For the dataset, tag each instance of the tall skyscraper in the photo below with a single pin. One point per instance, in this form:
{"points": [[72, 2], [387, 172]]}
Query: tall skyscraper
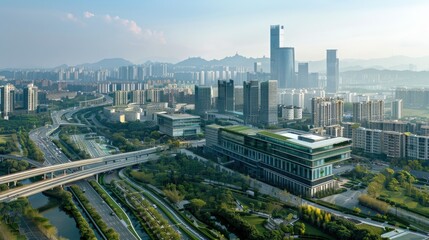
{"points": [[303, 76], [332, 71], [251, 102], [282, 59], [268, 111], [30, 98], [225, 97], [203, 99], [326, 111], [397, 109], [7, 99]]}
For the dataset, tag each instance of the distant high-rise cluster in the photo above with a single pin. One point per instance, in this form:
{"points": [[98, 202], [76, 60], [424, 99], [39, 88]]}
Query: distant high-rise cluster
{"points": [[20, 100]]}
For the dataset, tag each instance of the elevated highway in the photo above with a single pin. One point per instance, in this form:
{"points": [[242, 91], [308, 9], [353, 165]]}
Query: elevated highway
{"points": [[33, 188], [76, 164]]}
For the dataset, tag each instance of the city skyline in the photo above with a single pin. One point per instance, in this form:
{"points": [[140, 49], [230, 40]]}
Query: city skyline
{"points": [[66, 33]]}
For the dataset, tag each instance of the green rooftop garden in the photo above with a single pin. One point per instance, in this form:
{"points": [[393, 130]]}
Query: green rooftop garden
{"points": [[273, 135]]}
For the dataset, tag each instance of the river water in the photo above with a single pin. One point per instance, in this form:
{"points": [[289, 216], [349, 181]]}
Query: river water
{"points": [[64, 223]]}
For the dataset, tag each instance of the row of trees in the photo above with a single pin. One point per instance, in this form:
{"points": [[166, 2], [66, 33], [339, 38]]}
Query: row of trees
{"points": [[29, 148], [108, 232], [68, 205], [338, 227], [373, 203], [146, 213]]}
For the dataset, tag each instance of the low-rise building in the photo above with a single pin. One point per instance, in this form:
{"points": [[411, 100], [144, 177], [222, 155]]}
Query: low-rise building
{"points": [[179, 125]]}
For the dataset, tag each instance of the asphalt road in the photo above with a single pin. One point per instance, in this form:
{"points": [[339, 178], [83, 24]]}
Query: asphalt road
{"points": [[30, 230], [105, 211]]}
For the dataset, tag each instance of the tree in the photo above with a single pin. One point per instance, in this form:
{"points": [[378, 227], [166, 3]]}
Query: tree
{"points": [[196, 204], [299, 228], [356, 210]]}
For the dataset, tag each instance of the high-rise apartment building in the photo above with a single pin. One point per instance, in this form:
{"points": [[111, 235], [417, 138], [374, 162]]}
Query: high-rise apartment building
{"points": [[268, 110], [326, 111], [121, 98], [7, 99], [138, 96], [332, 71], [368, 111], [225, 98], [30, 98], [397, 107], [203, 99], [251, 102], [282, 59]]}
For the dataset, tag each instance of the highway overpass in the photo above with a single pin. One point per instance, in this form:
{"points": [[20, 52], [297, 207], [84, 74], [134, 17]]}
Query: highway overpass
{"points": [[46, 184], [76, 164]]}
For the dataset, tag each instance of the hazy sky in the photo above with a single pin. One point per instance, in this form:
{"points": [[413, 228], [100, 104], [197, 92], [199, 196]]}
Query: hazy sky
{"points": [[48, 33]]}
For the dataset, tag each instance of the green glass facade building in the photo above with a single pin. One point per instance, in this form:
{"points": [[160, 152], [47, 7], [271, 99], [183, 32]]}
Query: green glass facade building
{"points": [[297, 161]]}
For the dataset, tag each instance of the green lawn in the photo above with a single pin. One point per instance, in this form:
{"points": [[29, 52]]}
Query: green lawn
{"points": [[371, 229], [311, 230], [256, 221], [400, 197]]}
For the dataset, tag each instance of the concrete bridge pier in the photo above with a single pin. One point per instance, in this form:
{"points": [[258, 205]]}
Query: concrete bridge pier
{"points": [[65, 172], [96, 177]]}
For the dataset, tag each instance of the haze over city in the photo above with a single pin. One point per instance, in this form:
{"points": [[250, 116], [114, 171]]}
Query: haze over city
{"points": [[41, 33], [214, 120]]}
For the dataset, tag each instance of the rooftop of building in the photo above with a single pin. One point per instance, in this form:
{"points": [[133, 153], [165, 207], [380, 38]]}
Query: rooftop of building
{"points": [[179, 116], [301, 138]]}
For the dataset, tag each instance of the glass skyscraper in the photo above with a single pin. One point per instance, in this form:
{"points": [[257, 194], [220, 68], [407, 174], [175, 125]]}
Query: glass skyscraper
{"points": [[332, 71]]}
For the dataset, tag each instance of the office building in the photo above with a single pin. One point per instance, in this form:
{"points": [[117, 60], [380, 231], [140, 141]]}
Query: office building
{"points": [[7, 99], [282, 59], [239, 101], [286, 158], [332, 71], [368, 111], [326, 111], [303, 76], [397, 107], [203, 99], [225, 97], [121, 98], [30, 98], [251, 102], [268, 110], [179, 125]]}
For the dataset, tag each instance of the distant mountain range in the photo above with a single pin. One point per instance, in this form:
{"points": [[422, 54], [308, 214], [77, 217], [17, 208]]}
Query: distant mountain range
{"points": [[400, 63], [107, 63]]}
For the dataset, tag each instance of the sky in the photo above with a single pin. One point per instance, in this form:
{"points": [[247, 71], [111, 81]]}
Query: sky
{"points": [[50, 33]]}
